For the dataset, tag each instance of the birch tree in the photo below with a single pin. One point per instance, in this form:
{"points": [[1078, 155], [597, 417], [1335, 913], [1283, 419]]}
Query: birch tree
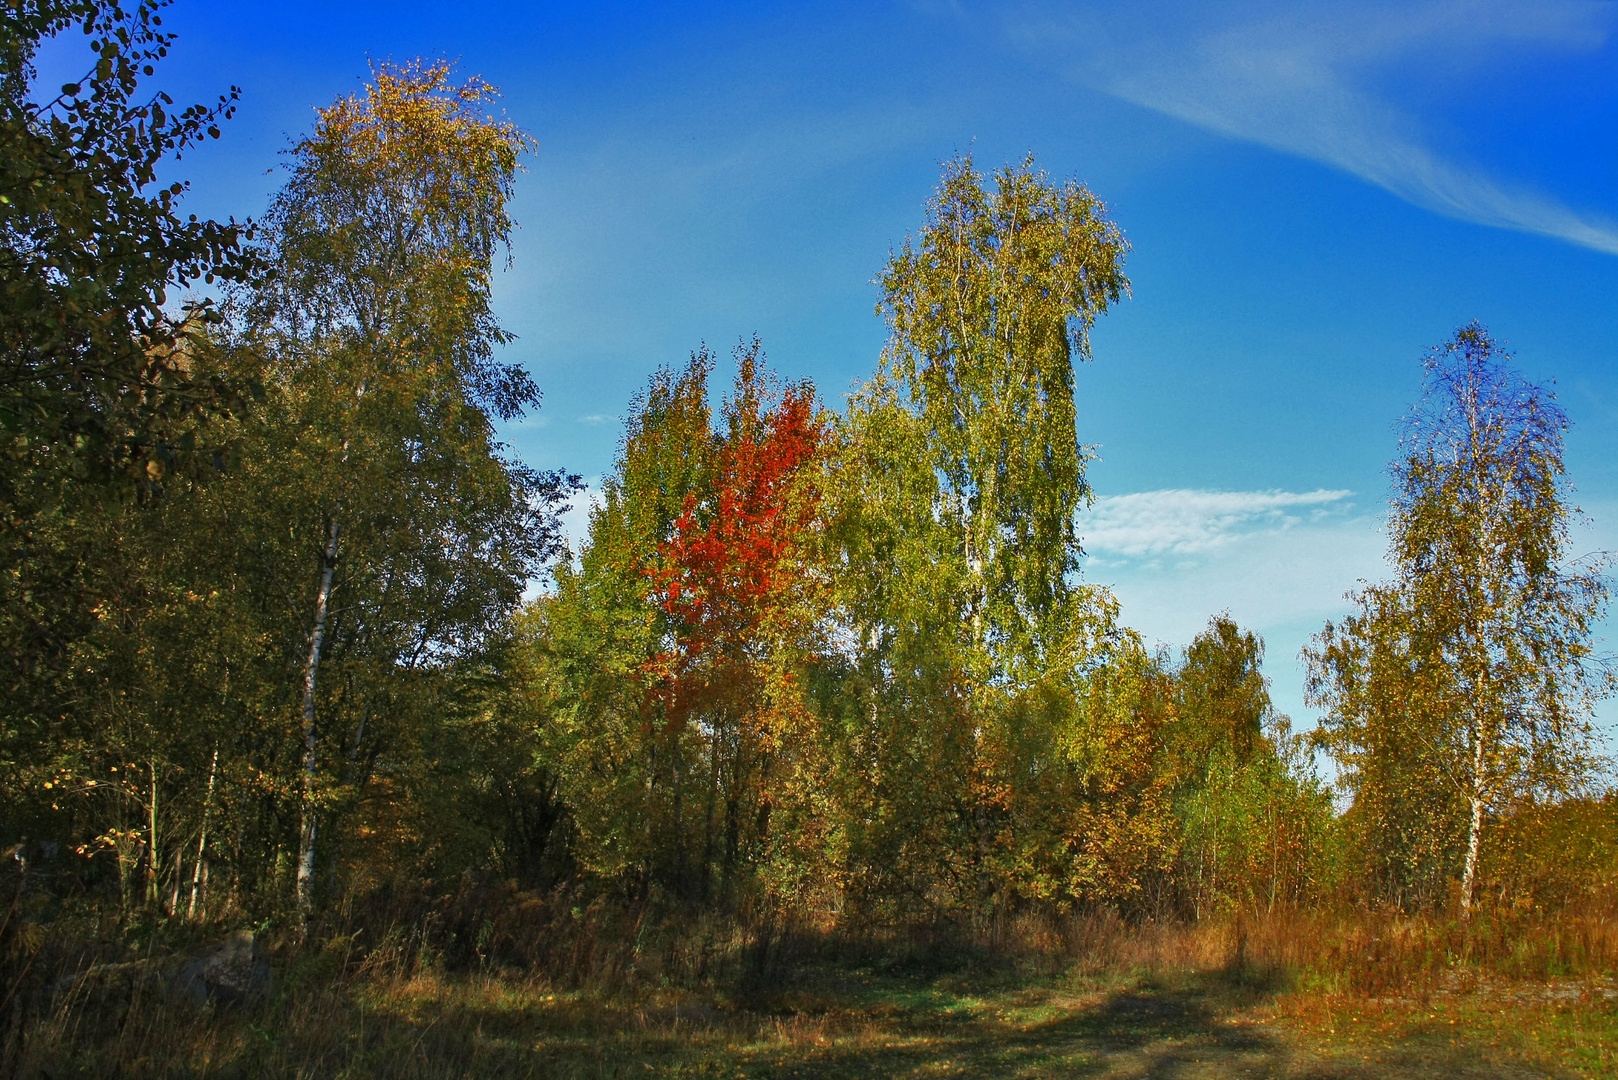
{"points": [[953, 504], [989, 310], [1481, 650], [379, 338]]}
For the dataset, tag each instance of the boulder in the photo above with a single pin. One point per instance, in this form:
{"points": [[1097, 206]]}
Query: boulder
{"points": [[231, 974]]}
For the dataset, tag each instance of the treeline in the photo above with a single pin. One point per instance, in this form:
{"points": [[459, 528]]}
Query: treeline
{"points": [[266, 653], [261, 550]]}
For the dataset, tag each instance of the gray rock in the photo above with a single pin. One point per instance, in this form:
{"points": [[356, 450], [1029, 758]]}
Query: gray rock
{"points": [[232, 974]]}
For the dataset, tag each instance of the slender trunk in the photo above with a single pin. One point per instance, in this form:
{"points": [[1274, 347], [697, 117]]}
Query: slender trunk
{"points": [[733, 821], [202, 838], [311, 825], [1275, 850], [974, 569], [646, 866], [174, 890], [128, 856], [152, 853], [1482, 698], [714, 753], [1475, 831], [354, 751]]}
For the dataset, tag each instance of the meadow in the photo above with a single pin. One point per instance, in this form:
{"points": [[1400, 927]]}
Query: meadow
{"points": [[1278, 996]]}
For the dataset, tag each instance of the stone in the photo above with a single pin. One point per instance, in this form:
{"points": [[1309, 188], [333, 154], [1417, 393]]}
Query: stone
{"points": [[233, 974]]}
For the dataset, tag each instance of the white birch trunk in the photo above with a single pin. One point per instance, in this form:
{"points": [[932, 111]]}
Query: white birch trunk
{"points": [[202, 838], [1474, 832], [306, 853]]}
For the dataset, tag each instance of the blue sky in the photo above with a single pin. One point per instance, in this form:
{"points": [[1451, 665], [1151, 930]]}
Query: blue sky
{"points": [[1314, 193]]}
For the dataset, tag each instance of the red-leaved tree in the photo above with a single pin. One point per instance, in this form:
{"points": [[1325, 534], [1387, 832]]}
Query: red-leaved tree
{"points": [[738, 580]]}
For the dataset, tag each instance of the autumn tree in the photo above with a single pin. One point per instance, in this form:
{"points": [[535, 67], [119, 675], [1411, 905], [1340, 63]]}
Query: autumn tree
{"points": [[625, 777], [958, 476], [679, 642], [1224, 698], [1470, 679], [1254, 817], [100, 406], [989, 309], [351, 564], [379, 340], [738, 577]]}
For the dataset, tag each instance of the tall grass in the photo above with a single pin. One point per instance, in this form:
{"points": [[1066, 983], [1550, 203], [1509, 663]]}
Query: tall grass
{"points": [[492, 981]]}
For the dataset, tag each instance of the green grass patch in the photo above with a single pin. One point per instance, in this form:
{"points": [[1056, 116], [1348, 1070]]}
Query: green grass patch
{"points": [[831, 1020]]}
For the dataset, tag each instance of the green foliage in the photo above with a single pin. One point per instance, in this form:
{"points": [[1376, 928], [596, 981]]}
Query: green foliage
{"points": [[625, 776], [1385, 683], [996, 727], [1257, 823], [1555, 856], [378, 340], [179, 768], [989, 309], [1466, 684], [680, 644], [90, 245], [1224, 699], [806, 670], [101, 400]]}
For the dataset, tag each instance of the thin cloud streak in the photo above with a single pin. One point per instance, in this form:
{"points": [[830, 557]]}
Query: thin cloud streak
{"points": [[1267, 579], [1279, 562], [1302, 83], [1180, 522]]}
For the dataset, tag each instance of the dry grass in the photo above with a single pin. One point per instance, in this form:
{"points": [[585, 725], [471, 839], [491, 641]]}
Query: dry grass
{"points": [[1283, 996]]}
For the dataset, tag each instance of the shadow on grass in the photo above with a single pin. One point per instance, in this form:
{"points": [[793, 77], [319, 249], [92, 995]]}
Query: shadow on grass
{"points": [[1151, 1029], [1183, 1027], [828, 1023]]}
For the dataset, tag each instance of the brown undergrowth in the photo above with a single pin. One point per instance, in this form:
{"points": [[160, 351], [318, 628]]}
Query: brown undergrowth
{"points": [[548, 986]]}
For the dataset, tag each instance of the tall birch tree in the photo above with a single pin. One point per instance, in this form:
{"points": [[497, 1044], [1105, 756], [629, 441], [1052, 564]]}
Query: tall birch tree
{"points": [[989, 309], [380, 341], [1481, 650], [959, 474]]}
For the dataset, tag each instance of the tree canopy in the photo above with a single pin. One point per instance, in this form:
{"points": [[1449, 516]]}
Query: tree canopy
{"points": [[1467, 683], [289, 631]]}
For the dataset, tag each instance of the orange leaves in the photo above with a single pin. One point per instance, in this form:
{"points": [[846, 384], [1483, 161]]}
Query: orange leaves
{"points": [[734, 576], [411, 112], [735, 599]]}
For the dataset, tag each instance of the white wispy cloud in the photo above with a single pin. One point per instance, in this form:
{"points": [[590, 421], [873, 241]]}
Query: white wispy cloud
{"points": [[1279, 562], [1184, 522], [575, 523], [576, 518], [1307, 79], [1282, 582]]}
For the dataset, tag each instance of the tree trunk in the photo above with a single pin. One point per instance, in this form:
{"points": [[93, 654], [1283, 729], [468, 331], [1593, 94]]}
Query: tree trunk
{"points": [[306, 853], [708, 816], [202, 838], [152, 855], [1474, 833], [174, 889]]}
